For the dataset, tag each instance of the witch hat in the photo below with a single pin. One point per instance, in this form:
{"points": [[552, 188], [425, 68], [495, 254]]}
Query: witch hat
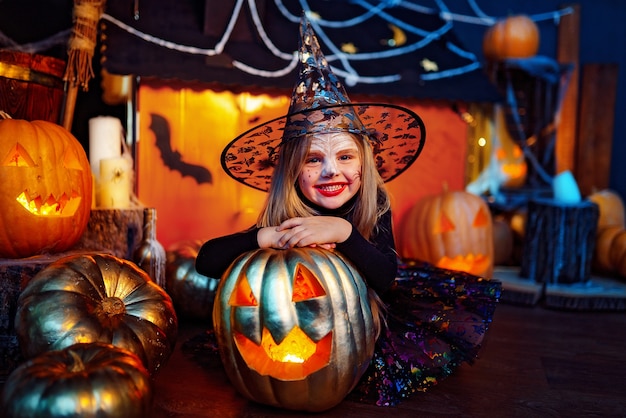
{"points": [[320, 104]]}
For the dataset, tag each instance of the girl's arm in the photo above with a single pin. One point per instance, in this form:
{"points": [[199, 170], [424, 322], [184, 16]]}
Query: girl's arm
{"points": [[377, 260], [216, 255]]}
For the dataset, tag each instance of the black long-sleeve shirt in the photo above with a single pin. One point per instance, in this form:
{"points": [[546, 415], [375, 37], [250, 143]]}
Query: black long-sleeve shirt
{"points": [[375, 260]]}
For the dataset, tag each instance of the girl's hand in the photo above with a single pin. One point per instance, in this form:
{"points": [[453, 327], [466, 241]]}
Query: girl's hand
{"points": [[312, 231]]}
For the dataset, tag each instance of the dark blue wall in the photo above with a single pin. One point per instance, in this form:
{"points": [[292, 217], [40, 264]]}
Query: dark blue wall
{"points": [[602, 40]]}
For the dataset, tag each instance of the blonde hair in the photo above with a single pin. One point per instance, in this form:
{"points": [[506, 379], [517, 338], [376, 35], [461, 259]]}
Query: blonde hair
{"points": [[283, 201]]}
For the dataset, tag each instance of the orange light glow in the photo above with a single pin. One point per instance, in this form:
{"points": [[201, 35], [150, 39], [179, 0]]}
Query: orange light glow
{"points": [[242, 295], [296, 357], [470, 263], [64, 206], [306, 286]]}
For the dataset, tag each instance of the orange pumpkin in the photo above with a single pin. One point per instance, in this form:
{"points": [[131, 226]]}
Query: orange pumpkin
{"points": [[611, 208], [512, 37], [602, 252], [618, 253], [452, 230], [45, 201]]}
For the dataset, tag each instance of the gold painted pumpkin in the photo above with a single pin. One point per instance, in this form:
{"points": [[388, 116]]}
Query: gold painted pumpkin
{"points": [[611, 208], [96, 298], [45, 201], [452, 230], [294, 327], [193, 293], [512, 37], [84, 380]]}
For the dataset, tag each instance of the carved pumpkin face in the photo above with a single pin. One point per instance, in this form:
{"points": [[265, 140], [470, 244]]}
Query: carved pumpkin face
{"points": [[291, 320], [46, 188], [452, 230]]}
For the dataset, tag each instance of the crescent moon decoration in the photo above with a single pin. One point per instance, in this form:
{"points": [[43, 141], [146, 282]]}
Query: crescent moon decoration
{"points": [[398, 38]]}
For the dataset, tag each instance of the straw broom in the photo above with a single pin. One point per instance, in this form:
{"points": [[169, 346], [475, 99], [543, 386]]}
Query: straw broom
{"points": [[81, 46]]}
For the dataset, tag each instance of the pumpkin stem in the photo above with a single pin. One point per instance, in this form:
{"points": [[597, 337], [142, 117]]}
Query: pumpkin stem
{"points": [[4, 115], [113, 306], [77, 364]]}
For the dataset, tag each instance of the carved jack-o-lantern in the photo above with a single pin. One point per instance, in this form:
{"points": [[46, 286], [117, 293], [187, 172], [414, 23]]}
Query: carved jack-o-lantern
{"points": [[294, 327], [45, 201], [452, 230]]}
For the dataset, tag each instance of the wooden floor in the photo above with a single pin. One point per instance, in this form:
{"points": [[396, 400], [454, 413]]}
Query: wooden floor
{"points": [[536, 362]]}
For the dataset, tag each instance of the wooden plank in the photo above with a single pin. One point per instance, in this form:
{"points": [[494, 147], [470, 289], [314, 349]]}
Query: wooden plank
{"points": [[526, 368], [595, 128], [568, 53]]}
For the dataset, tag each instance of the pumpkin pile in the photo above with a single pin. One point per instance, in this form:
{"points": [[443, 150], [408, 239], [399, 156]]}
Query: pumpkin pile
{"points": [[86, 309], [610, 251], [512, 37], [46, 188]]}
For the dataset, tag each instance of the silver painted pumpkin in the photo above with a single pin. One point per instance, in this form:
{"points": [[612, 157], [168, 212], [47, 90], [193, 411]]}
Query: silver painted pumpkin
{"points": [[294, 327]]}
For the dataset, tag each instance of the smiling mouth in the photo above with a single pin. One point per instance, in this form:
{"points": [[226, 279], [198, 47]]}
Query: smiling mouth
{"points": [[331, 189], [63, 206]]}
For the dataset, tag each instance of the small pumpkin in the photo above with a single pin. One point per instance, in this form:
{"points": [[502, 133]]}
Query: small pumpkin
{"points": [[45, 201], [96, 298], [452, 230], [84, 380], [618, 253], [611, 208], [294, 327], [602, 259], [192, 293], [512, 37]]}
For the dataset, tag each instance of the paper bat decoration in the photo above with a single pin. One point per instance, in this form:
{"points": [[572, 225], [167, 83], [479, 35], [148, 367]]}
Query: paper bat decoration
{"points": [[173, 159]]}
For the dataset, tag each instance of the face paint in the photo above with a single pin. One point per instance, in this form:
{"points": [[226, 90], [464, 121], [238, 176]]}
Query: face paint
{"points": [[331, 174]]}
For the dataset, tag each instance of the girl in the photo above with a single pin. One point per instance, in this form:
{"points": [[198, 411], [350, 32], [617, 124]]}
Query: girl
{"points": [[327, 160], [327, 193]]}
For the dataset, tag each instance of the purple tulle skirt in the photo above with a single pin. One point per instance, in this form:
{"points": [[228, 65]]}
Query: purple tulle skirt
{"points": [[436, 320]]}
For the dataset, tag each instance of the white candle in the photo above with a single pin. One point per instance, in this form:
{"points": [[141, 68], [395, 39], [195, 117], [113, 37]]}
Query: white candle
{"points": [[105, 141], [115, 183]]}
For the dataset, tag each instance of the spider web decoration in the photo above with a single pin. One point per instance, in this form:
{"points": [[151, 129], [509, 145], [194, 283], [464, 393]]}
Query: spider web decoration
{"points": [[391, 48]]}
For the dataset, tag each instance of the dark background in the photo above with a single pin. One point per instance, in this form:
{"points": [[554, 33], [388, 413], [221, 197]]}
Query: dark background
{"points": [[602, 40]]}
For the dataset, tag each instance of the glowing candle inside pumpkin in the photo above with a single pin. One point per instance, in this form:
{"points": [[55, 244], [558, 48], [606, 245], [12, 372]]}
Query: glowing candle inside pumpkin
{"points": [[115, 183]]}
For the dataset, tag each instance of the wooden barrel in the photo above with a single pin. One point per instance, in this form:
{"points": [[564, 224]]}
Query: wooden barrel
{"points": [[31, 86]]}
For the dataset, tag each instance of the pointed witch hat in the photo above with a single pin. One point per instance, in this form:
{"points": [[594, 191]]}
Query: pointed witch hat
{"points": [[320, 104]]}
